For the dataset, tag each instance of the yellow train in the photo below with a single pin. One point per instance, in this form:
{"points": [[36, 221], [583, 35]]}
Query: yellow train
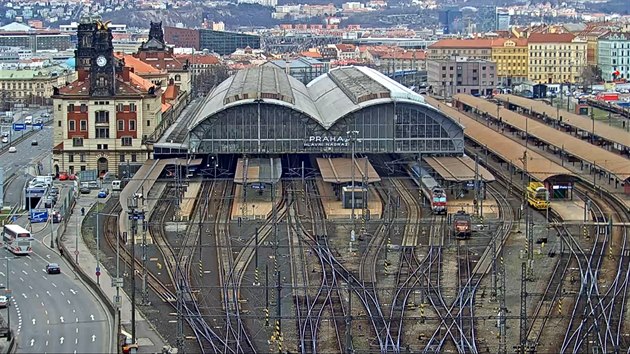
{"points": [[537, 195]]}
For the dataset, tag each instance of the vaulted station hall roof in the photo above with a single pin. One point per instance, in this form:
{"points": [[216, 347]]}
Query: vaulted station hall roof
{"points": [[326, 99]]}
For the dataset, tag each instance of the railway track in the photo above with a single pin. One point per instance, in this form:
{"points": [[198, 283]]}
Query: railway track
{"points": [[311, 310]]}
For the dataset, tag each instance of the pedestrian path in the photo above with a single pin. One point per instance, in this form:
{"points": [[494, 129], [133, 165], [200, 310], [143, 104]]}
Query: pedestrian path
{"points": [[148, 338]]}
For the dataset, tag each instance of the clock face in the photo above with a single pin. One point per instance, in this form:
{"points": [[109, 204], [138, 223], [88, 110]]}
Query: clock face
{"points": [[101, 61]]}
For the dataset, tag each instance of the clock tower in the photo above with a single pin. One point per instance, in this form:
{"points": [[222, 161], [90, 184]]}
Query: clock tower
{"points": [[102, 63]]}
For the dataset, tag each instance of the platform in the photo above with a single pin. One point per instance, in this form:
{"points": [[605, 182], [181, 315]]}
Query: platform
{"points": [[258, 170], [257, 207], [489, 208], [333, 208], [569, 210], [188, 203], [339, 170], [458, 168]]}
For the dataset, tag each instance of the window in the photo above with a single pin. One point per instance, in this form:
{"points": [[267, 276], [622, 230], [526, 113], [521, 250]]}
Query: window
{"points": [[82, 157], [77, 141], [119, 107], [148, 123], [133, 158], [102, 117], [70, 158], [105, 147], [132, 107], [125, 141], [132, 125], [83, 107], [70, 107], [121, 125], [72, 125], [83, 125], [59, 123], [102, 133], [122, 157]]}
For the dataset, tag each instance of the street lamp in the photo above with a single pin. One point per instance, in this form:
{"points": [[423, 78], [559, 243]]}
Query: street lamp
{"points": [[352, 138]]}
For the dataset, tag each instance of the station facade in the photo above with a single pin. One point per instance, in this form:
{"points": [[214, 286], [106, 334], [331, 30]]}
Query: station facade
{"points": [[265, 111]]}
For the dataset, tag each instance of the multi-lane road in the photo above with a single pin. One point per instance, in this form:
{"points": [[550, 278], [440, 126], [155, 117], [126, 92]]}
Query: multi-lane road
{"points": [[49, 313]]}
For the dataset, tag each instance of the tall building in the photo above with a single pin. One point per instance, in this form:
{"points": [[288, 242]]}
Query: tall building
{"points": [[447, 77], [502, 19], [556, 57], [103, 118], [613, 55], [20, 35], [476, 48], [511, 57], [33, 85], [448, 18], [182, 37], [224, 43]]}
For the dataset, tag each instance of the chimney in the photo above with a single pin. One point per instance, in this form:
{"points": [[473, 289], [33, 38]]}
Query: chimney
{"points": [[82, 75], [125, 73]]}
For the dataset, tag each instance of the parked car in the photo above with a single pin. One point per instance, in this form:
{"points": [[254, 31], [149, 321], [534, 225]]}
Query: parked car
{"points": [[103, 193], [63, 176], [39, 121], [4, 301], [84, 190], [53, 268], [54, 191], [12, 149], [34, 143], [5, 139]]}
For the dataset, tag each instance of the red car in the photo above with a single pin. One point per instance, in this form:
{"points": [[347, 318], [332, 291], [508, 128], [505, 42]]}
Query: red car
{"points": [[72, 177], [63, 176]]}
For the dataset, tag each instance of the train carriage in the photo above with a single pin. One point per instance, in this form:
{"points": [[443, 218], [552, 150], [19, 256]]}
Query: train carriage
{"points": [[537, 195], [431, 190]]}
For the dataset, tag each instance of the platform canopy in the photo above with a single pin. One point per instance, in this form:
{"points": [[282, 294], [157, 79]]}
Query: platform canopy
{"points": [[339, 170], [258, 170], [458, 169]]}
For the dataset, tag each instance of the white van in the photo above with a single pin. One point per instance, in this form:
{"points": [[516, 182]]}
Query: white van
{"points": [[117, 185], [28, 120]]}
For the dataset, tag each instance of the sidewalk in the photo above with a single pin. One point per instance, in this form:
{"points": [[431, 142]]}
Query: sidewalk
{"points": [[148, 339]]}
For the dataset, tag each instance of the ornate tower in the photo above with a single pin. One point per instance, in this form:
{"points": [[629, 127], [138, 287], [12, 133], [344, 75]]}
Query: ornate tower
{"points": [[84, 52], [155, 32], [103, 66]]}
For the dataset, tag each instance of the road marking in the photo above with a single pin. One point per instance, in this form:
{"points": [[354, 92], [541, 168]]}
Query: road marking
{"points": [[26, 297], [76, 340], [43, 276], [68, 302], [47, 333], [48, 292], [46, 312], [23, 271], [76, 319], [37, 296], [62, 294], [74, 311], [47, 322], [61, 319], [21, 279], [30, 287], [73, 292], [34, 270], [46, 343], [61, 340], [92, 317], [48, 256], [53, 284], [32, 342], [33, 321], [77, 330], [93, 338], [26, 264]]}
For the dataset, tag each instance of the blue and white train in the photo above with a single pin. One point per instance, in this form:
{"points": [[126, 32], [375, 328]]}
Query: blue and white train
{"points": [[430, 189]]}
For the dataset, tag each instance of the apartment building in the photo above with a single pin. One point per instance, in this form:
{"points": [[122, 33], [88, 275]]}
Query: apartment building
{"points": [[556, 57]]}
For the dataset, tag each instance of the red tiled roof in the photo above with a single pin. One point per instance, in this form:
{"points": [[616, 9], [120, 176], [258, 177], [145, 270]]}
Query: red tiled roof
{"points": [[170, 93], [405, 55], [519, 42], [199, 59], [346, 47], [550, 38], [310, 54], [139, 82], [138, 65], [165, 107]]}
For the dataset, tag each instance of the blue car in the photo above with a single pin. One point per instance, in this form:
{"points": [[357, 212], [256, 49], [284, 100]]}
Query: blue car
{"points": [[103, 193]]}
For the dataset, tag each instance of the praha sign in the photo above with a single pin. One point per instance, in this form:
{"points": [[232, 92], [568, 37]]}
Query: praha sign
{"points": [[326, 141]]}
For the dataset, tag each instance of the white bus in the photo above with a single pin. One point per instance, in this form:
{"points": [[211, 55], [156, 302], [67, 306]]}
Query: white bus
{"points": [[17, 239]]}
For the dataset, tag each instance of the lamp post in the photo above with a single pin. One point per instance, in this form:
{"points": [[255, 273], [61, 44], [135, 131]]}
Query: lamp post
{"points": [[8, 291], [352, 137]]}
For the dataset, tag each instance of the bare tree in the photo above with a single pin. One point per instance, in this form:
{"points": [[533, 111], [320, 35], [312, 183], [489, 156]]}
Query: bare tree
{"points": [[592, 74], [208, 79]]}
